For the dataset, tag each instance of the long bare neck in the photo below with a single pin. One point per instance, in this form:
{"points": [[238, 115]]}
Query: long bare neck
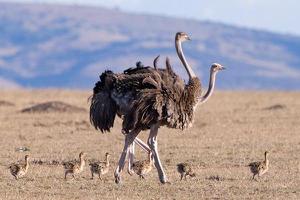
{"points": [[81, 161], [183, 60], [266, 160], [26, 163], [210, 89], [107, 161]]}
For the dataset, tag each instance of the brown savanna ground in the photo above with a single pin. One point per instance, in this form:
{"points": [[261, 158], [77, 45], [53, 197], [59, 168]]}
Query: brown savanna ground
{"points": [[230, 130]]}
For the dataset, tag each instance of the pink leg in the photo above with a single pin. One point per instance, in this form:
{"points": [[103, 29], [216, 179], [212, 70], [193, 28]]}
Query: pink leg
{"points": [[131, 158], [152, 142], [144, 146], [129, 138], [140, 143]]}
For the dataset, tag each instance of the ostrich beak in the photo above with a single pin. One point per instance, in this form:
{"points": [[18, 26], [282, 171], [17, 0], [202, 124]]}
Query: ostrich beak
{"points": [[188, 38], [222, 68]]}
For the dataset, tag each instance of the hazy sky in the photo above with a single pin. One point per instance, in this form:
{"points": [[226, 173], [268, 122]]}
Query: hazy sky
{"points": [[273, 15]]}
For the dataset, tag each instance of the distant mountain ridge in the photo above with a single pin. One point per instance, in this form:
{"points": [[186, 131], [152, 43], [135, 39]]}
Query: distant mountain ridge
{"points": [[44, 45]]}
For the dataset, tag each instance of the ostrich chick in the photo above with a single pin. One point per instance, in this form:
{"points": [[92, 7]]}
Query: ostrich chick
{"points": [[143, 167], [19, 170], [76, 167], [260, 168], [100, 168], [185, 170]]}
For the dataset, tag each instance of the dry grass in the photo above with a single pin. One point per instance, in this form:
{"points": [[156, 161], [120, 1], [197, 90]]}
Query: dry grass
{"points": [[231, 130]]}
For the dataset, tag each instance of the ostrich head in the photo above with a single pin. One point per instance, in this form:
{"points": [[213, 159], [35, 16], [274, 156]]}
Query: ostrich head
{"points": [[27, 157], [215, 67], [107, 154], [82, 154], [181, 36], [267, 153]]}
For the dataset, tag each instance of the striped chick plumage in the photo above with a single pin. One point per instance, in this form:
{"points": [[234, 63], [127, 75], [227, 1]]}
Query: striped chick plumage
{"points": [[19, 170], [185, 169], [259, 168], [74, 167], [143, 167], [100, 168]]}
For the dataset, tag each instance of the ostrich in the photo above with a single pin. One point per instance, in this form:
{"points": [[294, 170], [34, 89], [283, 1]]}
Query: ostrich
{"points": [[100, 168], [19, 170], [147, 98], [260, 168], [185, 169], [143, 167], [74, 167]]}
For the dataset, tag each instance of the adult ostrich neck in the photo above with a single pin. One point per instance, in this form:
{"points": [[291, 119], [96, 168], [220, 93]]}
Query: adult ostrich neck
{"points": [[211, 87], [183, 60], [192, 77]]}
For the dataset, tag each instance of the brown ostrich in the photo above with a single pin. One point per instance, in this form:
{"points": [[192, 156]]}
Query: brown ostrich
{"points": [[185, 169], [260, 168], [74, 167], [19, 170], [143, 167], [100, 168], [147, 98]]}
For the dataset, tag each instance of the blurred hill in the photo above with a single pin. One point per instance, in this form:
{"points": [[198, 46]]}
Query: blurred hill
{"points": [[68, 46]]}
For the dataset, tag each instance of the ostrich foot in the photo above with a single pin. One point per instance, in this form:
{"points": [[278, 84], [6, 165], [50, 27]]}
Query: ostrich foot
{"points": [[163, 180], [117, 179], [117, 175]]}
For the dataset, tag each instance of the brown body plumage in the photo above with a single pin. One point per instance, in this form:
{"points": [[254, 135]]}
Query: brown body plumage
{"points": [[19, 170], [185, 169], [74, 167], [147, 98], [260, 168], [100, 168], [143, 167], [144, 96]]}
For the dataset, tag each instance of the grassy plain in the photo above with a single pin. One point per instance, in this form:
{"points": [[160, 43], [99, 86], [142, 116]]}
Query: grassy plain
{"points": [[230, 130]]}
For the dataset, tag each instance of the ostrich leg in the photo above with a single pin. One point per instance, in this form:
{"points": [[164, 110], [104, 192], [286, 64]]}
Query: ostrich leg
{"points": [[152, 141], [129, 138], [131, 158], [140, 143], [144, 146]]}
